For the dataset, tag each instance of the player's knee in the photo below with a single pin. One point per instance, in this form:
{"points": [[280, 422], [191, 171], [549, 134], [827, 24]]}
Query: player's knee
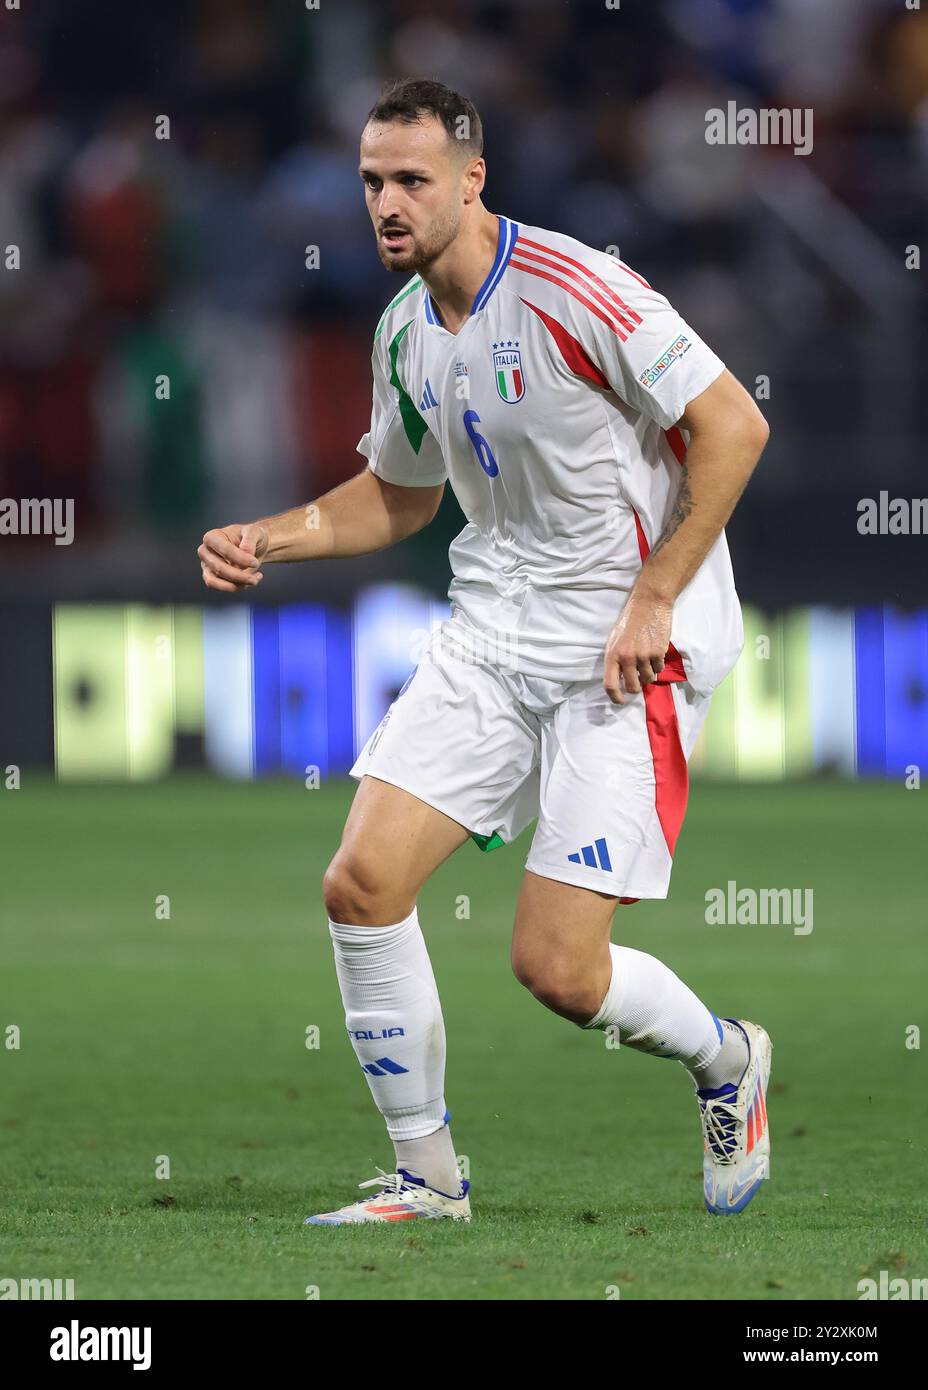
{"points": [[558, 985], [348, 895], [355, 893]]}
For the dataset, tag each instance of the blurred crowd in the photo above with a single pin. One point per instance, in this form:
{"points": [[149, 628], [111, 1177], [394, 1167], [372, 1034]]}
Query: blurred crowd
{"points": [[184, 258]]}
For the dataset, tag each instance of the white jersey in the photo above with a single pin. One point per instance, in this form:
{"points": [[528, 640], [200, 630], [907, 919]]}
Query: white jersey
{"points": [[553, 414]]}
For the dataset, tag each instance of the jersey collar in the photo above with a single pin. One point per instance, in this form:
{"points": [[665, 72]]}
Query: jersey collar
{"points": [[508, 231]]}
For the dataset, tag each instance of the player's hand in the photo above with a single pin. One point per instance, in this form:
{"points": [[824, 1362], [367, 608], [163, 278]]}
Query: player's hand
{"points": [[637, 645], [230, 557]]}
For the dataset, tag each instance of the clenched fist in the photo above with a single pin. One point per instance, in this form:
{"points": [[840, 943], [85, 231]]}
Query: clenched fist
{"points": [[637, 645], [230, 557]]}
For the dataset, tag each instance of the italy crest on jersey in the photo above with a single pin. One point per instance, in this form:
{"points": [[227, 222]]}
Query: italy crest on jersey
{"points": [[507, 368]]}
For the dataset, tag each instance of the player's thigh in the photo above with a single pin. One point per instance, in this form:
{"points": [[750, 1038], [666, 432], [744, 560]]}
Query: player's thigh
{"points": [[615, 788], [560, 943], [458, 738], [391, 843]]}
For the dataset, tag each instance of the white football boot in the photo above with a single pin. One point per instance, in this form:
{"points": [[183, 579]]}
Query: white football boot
{"points": [[736, 1138], [403, 1198]]}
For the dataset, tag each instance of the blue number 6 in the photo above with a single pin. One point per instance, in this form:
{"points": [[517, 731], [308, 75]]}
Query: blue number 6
{"points": [[481, 447]]}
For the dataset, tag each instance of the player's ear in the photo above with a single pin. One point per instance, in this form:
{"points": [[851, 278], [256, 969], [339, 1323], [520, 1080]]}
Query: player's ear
{"points": [[475, 176]]}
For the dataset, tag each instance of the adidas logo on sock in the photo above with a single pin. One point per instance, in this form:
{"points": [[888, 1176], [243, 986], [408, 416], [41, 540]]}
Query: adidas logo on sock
{"points": [[385, 1066]]}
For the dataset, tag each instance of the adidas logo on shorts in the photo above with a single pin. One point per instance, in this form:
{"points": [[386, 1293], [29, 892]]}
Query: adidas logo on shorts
{"points": [[587, 855]]}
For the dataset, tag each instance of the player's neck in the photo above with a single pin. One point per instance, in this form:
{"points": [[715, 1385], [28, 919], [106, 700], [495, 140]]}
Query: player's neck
{"points": [[455, 278]]}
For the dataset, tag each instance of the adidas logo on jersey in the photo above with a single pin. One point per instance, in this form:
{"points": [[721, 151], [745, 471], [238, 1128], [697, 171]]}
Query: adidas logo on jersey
{"points": [[587, 855], [428, 397]]}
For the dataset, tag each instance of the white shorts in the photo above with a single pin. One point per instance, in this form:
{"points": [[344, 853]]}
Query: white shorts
{"points": [[493, 748]]}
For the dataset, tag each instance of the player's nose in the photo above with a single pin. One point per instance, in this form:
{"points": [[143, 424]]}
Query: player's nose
{"points": [[388, 207]]}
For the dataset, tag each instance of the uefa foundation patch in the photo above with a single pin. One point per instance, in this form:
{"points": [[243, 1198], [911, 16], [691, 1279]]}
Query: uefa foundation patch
{"points": [[678, 348]]}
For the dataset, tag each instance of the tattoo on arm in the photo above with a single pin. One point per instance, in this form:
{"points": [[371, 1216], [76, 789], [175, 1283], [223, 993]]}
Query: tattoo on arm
{"points": [[681, 509]]}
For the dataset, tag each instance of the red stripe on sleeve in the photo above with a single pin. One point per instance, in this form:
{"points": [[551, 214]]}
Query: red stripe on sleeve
{"points": [[561, 255], [610, 303], [634, 274], [556, 280]]}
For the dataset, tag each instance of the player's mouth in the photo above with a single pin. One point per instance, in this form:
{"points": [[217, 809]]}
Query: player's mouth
{"points": [[395, 239]]}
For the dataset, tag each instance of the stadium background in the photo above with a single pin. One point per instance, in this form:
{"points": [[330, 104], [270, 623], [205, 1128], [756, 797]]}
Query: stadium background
{"points": [[187, 257]]}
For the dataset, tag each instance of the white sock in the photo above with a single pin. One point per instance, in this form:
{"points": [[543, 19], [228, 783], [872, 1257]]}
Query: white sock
{"points": [[432, 1159], [730, 1063], [655, 1012], [394, 1020]]}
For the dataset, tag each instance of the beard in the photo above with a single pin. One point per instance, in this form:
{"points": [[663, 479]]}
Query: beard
{"points": [[424, 250]]}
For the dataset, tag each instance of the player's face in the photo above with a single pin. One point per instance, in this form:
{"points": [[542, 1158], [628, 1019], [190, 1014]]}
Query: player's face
{"points": [[416, 185]]}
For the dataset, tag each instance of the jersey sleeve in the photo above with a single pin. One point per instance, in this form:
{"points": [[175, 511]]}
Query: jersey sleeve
{"points": [[650, 356], [399, 446]]}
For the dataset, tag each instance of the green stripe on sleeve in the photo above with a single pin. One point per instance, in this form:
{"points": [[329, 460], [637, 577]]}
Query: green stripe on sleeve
{"points": [[413, 423]]}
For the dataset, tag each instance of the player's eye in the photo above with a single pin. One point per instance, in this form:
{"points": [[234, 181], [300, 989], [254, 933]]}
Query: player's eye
{"points": [[371, 180], [411, 180]]}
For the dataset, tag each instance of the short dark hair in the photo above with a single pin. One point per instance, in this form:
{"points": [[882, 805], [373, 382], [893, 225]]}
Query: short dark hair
{"points": [[413, 98]]}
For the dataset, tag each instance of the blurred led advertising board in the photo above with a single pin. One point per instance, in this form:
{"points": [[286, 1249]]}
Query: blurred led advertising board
{"points": [[253, 691]]}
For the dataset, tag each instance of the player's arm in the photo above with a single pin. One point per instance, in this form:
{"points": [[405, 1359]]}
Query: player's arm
{"points": [[727, 437], [396, 495], [362, 515]]}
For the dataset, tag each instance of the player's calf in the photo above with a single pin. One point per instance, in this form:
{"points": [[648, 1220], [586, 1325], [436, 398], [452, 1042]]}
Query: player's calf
{"points": [[560, 946]]}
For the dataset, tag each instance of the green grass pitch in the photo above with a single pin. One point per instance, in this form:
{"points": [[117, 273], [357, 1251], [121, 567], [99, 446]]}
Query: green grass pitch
{"points": [[186, 1037]]}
